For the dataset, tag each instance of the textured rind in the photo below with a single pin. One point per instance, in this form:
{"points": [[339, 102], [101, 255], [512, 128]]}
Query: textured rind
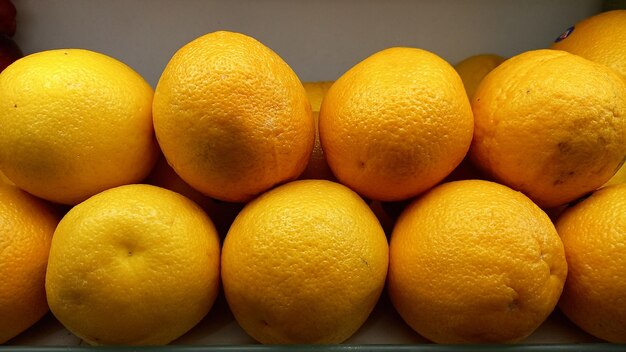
{"points": [[395, 124], [133, 265], [550, 124], [27, 227], [231, 117], [594, 236], [475, 262], [600, 38], [304, 263], [74, 123]]}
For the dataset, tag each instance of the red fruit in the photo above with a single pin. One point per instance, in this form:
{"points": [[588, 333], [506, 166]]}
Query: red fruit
{"points": [[9, 52], [7, 17]]}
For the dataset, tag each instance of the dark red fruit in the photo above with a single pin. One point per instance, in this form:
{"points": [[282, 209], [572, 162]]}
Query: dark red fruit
{"points": [[7, 18], [9, 52]]}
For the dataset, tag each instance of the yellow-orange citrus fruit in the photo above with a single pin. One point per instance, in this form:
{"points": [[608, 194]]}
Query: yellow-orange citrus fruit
{"points": [[221, 213], [162, 175], [550, 124], [27, 227], [475, 262], [473, 69], [133, 265], [5, 180], [304, 263], [619, 177], [395, 124], [74, 123], [315, 92], [317, 168], [600, 38], [231, 117], [594, 236]]}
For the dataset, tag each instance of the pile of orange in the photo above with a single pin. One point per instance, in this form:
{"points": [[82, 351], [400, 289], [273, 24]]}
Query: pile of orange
{"points": [[233, 173]]}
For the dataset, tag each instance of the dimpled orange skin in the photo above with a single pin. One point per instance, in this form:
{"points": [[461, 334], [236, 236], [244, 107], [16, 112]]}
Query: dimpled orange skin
{"points": [[594, 235], [304, 263], [231, 117], [395, 124], [475, 262], [550, 124], [474, 68], [600, 38], [74, 123], [27, 227], [133, 265]]}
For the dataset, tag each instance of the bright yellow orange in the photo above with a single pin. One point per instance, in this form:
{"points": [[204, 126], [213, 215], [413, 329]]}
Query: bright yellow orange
{"points": [[600, 38], [594, 235], [304, 263], [317, 168], [619, 177], [550, 124], [231, 117], [74, 123], [473, 69], [395, 124], [27, 227], [475, 262], [315, 92], [133, 265]]}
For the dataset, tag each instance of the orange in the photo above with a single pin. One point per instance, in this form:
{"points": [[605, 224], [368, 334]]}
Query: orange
{"points": [[619, 177], [221, 213], [550, 124], [133, 265], [304, 263], [473, 69], [317, 168], [600, 38], [475, 262], [594, 235], [315, 92], [162, 175], [231, 117], [4, 179], [395, 124], [74, 123], [27, 227]]}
